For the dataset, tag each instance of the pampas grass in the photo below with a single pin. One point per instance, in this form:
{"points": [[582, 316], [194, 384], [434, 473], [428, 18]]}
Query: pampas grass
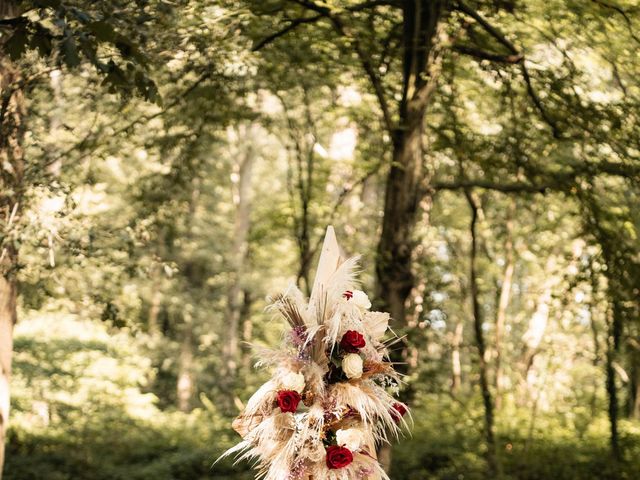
{"points": [[291, 446]]}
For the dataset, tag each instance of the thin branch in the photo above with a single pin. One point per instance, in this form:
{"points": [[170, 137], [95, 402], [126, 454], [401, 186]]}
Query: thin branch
{"points": [[538, 103], [622, 12], [131, 124], [483, 55], [515, 187], [502, 39], [292, 26], [557, 182], [494, 32], [365, 60], [372, 4]]}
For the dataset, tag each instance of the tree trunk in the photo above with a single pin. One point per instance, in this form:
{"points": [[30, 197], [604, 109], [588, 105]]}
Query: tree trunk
{"points": [[185, 387], [8, 316], [154, 310], [12, 113], [538, 321], [613, 348], [54, 167], [456, 364], [407, 180], [247, 329], [634, 384], [393, 264], [503, 303], [240, 248], [480, 341]]}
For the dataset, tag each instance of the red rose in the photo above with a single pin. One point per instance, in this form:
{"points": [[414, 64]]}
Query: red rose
{"points": [[338, 457], [348, 294], [288, 400], [352, 341], [399, 410]]}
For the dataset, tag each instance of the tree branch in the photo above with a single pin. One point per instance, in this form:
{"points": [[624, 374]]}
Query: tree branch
{"points": [[499, 36], [516, 187], [490, 29], [292, 26], [372, 4], [555, 130], [622, 12], [483, 55], [557, 182], [365, 61]]}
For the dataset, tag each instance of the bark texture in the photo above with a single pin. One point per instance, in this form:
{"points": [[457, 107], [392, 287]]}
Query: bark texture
{"points": [[239, 252], [11, 189], [408, 178], [478, 329], [503, 303]]}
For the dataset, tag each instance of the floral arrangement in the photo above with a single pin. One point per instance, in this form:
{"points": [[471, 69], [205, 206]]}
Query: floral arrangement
{"points": [[330, 400]]}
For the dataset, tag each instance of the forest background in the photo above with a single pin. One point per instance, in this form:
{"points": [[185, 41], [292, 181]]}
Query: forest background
{"points": [[167, 165]]}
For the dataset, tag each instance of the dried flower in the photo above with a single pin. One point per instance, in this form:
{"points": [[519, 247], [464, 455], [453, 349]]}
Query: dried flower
{"points": [[352, 341], [293, 381], [352, 365], [352, 438], [288, 400], [338, 457]]}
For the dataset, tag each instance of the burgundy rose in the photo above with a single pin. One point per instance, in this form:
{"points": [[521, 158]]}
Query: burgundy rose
{"points": [[352, 341], [338, 457], [398, 411], [288, 400]]}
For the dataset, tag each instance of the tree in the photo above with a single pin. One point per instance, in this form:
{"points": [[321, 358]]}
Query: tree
{"points": [[75, 36]]}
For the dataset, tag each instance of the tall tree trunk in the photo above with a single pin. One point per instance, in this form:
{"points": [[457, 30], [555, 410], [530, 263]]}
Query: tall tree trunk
{"points": [[478, 329], [613, 349], [594, 311], [407, 180], [185, 384], [11, 188], [240, 248], [8, 316], [634, 384], [54, 167], [402, 196], [503, 302], [154, 310], [538, 322], [456, 364], [247, 329]]}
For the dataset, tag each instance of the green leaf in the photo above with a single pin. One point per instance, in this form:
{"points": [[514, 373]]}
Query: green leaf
{"points": [[47, 3], [103, 31], [41, 41], [83, 17], [70, 52], [17, 44]]}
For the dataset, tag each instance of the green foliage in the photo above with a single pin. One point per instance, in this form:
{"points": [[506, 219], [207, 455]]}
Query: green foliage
{"points": [[82, 411], [131, 214]]}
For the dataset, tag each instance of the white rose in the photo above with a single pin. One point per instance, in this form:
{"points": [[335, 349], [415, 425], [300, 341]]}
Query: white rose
{"points": [[361, 300], [352, 365], [352, 438], [293, 381]]}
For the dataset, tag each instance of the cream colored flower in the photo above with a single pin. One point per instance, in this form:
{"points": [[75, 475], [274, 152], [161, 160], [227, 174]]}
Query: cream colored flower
{"points": [[352, 365], [361, 300], [376, 324], [293, 381], [352, 438]]}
